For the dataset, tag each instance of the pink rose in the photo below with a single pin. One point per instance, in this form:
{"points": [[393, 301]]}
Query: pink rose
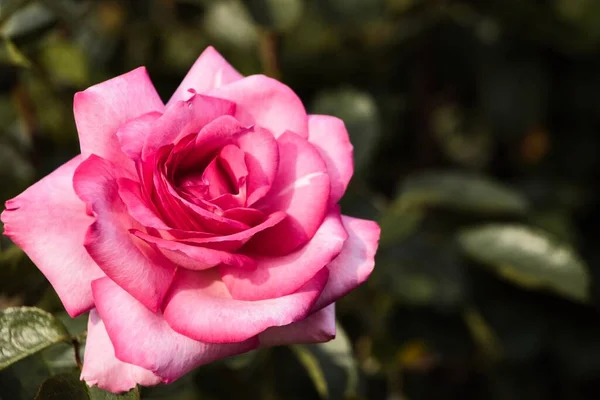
{"points": [[195, 230]]}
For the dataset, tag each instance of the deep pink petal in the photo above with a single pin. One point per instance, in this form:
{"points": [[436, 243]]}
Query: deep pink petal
{"points": [[227, 242], [208, 220], [100, 366], [301, 189], [138, 206], [217, 179], [199, 258], [135, 266], [330, 137], [142, 337], [316, 328], [262, 162], [248, 216], [132, 135], [101, 109], [183, 118], [355, 263], [266, 102], [199, 306], [260, 148], [279, 276], [48, 221], [209, 71]]}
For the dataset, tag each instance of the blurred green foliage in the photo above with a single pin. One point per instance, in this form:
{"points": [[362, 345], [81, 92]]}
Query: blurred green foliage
{"points": [[476, 131]]}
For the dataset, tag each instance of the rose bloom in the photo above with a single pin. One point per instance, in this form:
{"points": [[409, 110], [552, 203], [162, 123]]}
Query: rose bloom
{"points": [[195, 230]]}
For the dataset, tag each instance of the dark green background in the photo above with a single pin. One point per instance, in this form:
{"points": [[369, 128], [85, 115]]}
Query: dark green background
{"points": [[476, 132]]}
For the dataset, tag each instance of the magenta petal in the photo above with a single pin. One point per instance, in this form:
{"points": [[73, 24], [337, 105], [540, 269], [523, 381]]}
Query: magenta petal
{"points": [[183, 118], [330, 137], [355, 263], [279, 276], [137, 206], [266, 102], [262, 161], [199, 306], [142, 337], [136, 267], [316, 328], [209, 71], [260, 148], [301, 189], [132, 135], [227, 242], [48, 221], [101, 109], [198, 258], [101, 368]]}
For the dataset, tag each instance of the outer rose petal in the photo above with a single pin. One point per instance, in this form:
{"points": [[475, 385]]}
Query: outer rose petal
{"points": [[301, 189], [209, 71], [101, 109], [200, 307], [279, 276], [48, 221], [143, 338], [316, 328], [102, 368], [355, 263], [266, 102], [136, 267], [329, 136]]}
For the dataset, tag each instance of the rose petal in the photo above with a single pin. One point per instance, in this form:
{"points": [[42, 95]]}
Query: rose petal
{"points": [[260, 148], [137, 206], [227, 242], [209, 71], [102, 109], [136, 267], [330, 137], [48, 221], [200, 258], [222, 319], [355, 263], [183, 118], [143, 338], [248, 216], [279, 276], [301, 189], [266, 102], [316, 328], [103, 369], [132, 134]]}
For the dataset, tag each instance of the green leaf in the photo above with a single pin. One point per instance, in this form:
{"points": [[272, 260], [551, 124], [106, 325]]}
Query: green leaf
{"points": [[461, 191], [310, 362], [331, 366], [65, 63], [99, 394], [64, 386], [529, 257], [25, 331], [11, 55], [30, 19]]}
